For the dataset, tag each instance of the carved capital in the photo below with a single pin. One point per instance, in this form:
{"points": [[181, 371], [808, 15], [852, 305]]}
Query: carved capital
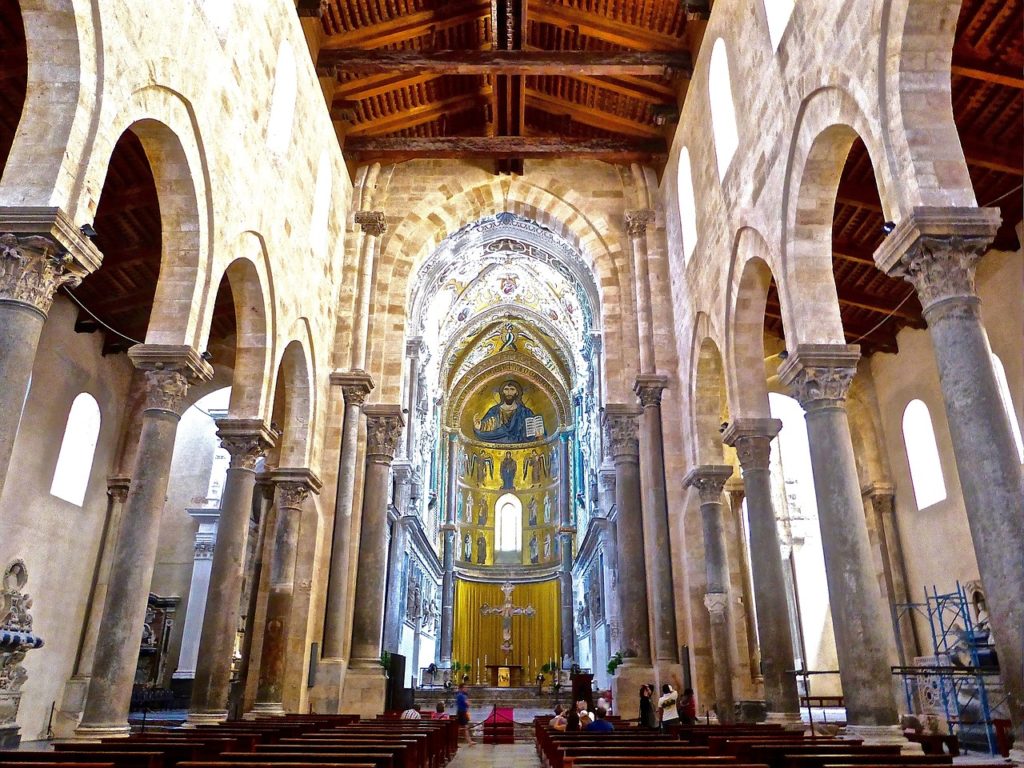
{"points": [[638, 221], [372, 222], [117, 488], [355, 386], [293, 486], [166, 391], [648, 388], [752, 439], [819, 375], [717, 603], [936, 250], [169, 369], [623, 425], [384, 424], [32, 268], [709, 480], [246, 440]]}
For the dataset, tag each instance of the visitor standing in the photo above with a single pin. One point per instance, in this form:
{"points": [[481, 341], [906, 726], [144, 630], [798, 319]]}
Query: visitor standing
{"points": [[647, 717], [667, 706], [462, 712], [688, 708]]}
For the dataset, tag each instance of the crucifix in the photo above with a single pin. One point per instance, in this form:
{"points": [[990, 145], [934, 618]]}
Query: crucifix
{"points": [[507, 610]]}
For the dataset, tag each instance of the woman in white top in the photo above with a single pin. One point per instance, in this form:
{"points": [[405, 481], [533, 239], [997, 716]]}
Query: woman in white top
{"points": [[667, 706]]}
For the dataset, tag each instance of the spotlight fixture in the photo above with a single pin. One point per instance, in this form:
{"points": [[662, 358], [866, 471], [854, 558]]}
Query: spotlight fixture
{"points": [[783, 354], [88, 230], [888, 227], [207, 355], [725, 426]]}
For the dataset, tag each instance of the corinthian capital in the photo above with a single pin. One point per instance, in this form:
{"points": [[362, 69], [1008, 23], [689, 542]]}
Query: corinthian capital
{"points": [[292, 486], [384, 425], [709, 480], [623, 425], [716, 603], [246, 440], [648, 388], [355, 385], [638, 221], [170, 370], [373, 222], [936, 250], [752, 439], [32, 268], [819, 375]]}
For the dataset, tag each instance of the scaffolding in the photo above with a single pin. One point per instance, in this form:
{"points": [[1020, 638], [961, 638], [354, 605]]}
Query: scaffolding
{"points": [[963, 682]]}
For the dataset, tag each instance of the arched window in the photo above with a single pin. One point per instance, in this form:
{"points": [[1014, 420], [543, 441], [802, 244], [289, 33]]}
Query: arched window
{"points": [[218, 13], [778, 13], [923, 455], [74, 463], [508, 524], [687, 204], [282, 102], [1011, 414], [723, 110], [321, 205]]}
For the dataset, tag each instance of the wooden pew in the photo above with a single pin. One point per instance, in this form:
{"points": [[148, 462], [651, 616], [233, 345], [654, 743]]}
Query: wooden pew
{"points": [[776, 755], [403, 751], [174, 752], [118, 759]]}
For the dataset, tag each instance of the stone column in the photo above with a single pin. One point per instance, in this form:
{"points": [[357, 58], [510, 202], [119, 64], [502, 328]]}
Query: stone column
{"points": [[374, 226], [819, 376], [648, 388], [752, 439], [355, 386], [246, 441], [631, 589], [412, 354], [199, 586], [292, 488], [394, 609], [936, 250], [169, 371], [448, 532], [34, 264], [566, 533], [734, 490], [365, 682], [709, 480], [636, 227]]}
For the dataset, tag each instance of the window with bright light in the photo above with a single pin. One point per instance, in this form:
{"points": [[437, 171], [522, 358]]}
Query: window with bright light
{"points": [[687, 204], [218, 13], [321, 204], [723, 110], [508, 524], [1004, 395], [74, 463], [923, 455], [778, 13], [282, 102]]}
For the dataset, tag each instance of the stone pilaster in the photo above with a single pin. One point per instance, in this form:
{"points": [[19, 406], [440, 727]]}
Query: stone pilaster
{"points": [[752, 439], [819, 377], [648, 389], [169, 370], [637, 223], [374, 226], [246, 441], [448, 533], [41, 250], [293, 487], [709, 480], [937, 250], [394, 607]]}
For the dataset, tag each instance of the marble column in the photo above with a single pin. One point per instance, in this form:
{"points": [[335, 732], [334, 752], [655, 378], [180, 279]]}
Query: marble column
{"points": [[246, 441], [365, 682], [648, 388], [752, 439], [199, 586], [292, 488], [169, 370], [40, 251], [631, 589], [374, 226], [394, 611], [937, 250], [709, 480], [448, 533], [566, 533], [636, 228], [819, 377], [734, 490], [412, 395]]}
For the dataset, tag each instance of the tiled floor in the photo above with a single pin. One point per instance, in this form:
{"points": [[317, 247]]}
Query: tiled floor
{"points": [[496, 756]]}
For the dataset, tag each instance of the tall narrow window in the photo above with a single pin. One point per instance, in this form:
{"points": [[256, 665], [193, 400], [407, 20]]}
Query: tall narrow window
{"points": [[778, 13], [282, 101], [508, 524], [723, 110], [687, 205], [923, 455], [74, 463], [1004, 395]]}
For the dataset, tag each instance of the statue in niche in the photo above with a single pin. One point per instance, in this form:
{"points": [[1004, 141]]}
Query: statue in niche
{"points": [[508, 472], [467, 548], [481, 549], [481, 518], [547, 546], [467, 507], [534, 550], [532, 508], [509, 420], [547, 509]]}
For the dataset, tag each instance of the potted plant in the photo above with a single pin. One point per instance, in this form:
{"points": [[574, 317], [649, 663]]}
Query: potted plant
{"points": [[614, 662], [385, 662], [465, 672]]}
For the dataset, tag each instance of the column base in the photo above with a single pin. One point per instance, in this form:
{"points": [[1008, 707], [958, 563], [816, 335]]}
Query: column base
{"points": [[72, 704], [665, 671], [628, 678], [790, 721], [364, 690], [325, 695], [883, 734], [266, 709], [1017, 756], [97, 732], [212, 717]]}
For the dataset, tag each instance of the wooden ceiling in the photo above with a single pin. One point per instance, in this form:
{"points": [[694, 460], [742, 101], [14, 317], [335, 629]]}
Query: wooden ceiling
{"points": [[490, 78]]}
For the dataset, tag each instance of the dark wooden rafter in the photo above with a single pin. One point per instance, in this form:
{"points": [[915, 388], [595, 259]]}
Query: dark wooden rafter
{"points": [[506, 148], [410, 26], [602, 28]]}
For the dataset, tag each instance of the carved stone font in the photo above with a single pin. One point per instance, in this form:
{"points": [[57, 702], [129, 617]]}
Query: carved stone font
{"points": [[16, 640], [32, 269]]}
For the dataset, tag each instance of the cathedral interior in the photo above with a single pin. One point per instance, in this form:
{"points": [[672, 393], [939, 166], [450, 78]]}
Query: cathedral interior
{"points": [[355, 349]]}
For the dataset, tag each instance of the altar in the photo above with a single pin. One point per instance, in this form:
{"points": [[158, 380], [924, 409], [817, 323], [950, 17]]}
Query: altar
{"points": [[505, 675]]}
